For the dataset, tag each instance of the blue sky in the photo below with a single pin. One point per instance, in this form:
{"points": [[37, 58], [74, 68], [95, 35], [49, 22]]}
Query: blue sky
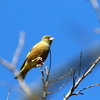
{"points": [[70, 22]]}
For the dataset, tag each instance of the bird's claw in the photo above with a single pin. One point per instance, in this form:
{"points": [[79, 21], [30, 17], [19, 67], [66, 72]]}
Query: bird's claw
{"points": [[37, 59], [41, 61]]}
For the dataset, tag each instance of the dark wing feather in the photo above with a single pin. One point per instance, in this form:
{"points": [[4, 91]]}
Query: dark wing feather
{"points": [[23, 65]]}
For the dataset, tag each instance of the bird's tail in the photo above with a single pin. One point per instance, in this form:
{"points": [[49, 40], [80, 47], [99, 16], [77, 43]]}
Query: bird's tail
{"points": [[21, 76]]}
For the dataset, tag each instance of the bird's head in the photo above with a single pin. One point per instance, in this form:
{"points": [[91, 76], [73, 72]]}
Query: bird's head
{"points": [[48, 39]]}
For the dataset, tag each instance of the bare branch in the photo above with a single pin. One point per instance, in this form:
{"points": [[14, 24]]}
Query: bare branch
{"points": [[61, 76], [80, 63], [79, 92], [42, 75], [50, 61], [61, 86], [74, 77], [88, 68], [95, 4], [11, 66], [80, 79], [9, 91], [14, 71], [19, 49], [46, 82], [47, 71], [96, 7]]}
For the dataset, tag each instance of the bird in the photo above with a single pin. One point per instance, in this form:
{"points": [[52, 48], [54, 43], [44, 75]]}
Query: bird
{"points": [[36, 57]]}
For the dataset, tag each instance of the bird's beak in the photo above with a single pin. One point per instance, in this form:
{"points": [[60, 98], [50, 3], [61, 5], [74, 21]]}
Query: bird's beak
{"points": [[51, 38]]}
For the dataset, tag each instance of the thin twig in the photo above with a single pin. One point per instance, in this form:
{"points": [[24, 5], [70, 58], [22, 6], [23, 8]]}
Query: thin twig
{"points": [[88, 68], [42, 75], [61, 86], [46, 83], [80, 63], [50, 61], [70, 93], [79, 92], [74, 78], [62, 76], [9, 91], [47, 77], [47, 71]]}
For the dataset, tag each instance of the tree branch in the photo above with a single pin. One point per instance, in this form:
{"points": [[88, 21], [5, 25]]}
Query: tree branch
{"points": [[61, 76], [11, 66], [9, 91], [70, 93], [61, 86], [79, 92]]}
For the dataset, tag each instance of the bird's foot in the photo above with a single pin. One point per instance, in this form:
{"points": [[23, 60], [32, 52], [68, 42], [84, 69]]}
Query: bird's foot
{"points": [[41, 61], [38, 59], [39, 65]]}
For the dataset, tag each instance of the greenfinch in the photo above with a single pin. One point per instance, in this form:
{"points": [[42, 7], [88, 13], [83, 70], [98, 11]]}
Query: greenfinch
{"points": [[36, 56]]}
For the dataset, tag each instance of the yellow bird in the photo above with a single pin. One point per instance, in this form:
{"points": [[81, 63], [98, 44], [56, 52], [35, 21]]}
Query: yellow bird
{"points": [[36, 56]]}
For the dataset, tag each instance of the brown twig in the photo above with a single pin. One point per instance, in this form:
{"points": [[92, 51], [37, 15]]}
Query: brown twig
{"points": [[61, 76], [74, 77], [50, 61], [79, 92], [46, 82], [70, 93], [88, 68], [61, 86], [80, 63]]}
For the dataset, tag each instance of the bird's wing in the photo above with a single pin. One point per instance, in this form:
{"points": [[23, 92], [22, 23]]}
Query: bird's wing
{"points": [[28, 56], [23, 65], [39, 50]]}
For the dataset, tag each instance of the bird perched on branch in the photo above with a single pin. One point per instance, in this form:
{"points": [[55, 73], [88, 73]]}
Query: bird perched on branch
{"points": [[36, 56]]}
